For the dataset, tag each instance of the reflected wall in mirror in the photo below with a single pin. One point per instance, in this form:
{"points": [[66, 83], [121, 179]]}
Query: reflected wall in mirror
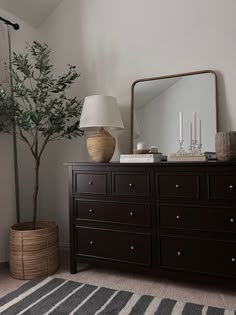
{"points": [[156, 103]]}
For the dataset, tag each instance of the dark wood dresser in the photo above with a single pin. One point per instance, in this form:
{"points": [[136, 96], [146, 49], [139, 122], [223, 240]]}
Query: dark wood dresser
{"points": [[162, 216]]}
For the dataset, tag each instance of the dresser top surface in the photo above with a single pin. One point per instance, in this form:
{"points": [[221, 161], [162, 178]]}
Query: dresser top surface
{"points": [[157, 164]]}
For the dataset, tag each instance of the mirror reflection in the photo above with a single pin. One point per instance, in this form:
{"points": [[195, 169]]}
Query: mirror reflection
{"points": [[156, 107]]}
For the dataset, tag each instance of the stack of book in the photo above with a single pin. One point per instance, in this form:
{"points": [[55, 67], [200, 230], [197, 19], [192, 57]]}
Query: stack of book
{"points": [[141, 158], [174, 157]]}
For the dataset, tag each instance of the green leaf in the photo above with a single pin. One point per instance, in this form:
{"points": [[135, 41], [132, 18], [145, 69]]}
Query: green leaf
{"points": [[40, 107]]}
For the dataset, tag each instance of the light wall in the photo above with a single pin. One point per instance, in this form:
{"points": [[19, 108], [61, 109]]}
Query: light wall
{"points": [[7, 181], [114, 43], [117, 42]]}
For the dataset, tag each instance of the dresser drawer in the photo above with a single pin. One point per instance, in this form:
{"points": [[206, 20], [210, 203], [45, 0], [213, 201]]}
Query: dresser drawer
{"points": [[178, 186], [222, 186], [198, 218], [125, 213], [130, 184], [89, 183], [114, 245], [209, 256]]}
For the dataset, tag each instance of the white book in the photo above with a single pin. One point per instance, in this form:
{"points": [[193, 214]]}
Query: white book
{"points": [[145, 155], [140, 160]]}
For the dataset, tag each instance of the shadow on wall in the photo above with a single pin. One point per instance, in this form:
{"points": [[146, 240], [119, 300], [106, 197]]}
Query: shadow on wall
{"points": [[123, 136], [53, 195], [26, 181], [98, 68], [224, 116]]}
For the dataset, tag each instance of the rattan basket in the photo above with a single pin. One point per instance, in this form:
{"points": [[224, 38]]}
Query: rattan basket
{"points": [[226, 145], [33, 253]]}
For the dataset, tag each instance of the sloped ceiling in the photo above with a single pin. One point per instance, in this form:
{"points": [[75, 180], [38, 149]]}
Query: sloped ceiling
{"points": [[33, 12]]}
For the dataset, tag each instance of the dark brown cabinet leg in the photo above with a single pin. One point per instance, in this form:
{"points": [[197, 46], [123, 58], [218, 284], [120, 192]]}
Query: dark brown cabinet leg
{"points": [[73, 267]]}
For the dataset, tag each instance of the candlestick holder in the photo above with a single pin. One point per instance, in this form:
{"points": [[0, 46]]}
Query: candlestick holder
{"points": [[194, 146], [181, 148], [190, 148], [199, 148]]}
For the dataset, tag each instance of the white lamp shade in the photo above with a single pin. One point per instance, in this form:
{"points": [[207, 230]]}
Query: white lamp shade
{"points": [[100, 111]]}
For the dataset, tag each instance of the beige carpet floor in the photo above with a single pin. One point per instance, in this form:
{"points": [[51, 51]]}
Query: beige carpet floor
{"points": [[218, 295]]}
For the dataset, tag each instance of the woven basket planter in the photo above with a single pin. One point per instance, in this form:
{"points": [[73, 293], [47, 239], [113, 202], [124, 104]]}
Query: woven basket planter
{"points": [[33, 253], [226, 145]]}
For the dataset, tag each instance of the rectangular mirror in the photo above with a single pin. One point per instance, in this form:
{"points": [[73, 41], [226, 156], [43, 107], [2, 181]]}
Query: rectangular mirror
{"points": [[157, 102]]}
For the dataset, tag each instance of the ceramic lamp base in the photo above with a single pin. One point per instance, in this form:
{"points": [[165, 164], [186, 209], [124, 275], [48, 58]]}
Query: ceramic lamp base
{"points": [[101, 146]]}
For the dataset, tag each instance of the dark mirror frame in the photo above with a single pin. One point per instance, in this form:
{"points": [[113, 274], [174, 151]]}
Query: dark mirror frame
{"points": [[167, 77]]}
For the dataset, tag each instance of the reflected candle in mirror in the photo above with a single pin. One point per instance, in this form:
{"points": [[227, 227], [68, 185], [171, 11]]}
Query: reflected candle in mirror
{"points": [[180, 126], [140, 146], [194, 127], [190, 135], [199, 132]]}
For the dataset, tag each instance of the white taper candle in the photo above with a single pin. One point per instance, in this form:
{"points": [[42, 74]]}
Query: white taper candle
{"points": [[180, 126], [190, 134], [194, 127], [199, 132]]}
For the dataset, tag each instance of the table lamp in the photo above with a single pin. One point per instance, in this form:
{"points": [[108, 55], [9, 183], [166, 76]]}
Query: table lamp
{"points": [[100, 112]]}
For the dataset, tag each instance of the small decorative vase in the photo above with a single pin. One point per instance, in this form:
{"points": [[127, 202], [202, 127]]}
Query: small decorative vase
{"points": [[225, 144]]}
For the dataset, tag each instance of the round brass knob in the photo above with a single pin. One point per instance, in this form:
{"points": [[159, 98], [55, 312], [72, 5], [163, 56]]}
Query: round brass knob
{"points": [[132, 247], [90, 183], [231, 186], [233, 259], [131, 214], [231, 220], [90, 210], [91, 242], [177, 186], [179, 253], [131, 185], [177, 217]]}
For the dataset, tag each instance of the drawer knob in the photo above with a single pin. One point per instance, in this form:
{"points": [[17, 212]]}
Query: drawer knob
{"points": [[91, 242], [178, 217], [233, 259], [177, 186], [90, 210], [131, 214], [231, 220], [231, 186], [132, 247], [131, 185], [179, 253], [90, 183]]}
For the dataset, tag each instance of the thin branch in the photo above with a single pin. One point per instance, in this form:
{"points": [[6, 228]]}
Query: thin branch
{"points": [[32, 89], [28, 143], [55, 138], [30, 105], [44, 145]]}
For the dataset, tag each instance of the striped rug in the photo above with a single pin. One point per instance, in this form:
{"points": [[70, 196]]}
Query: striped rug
{"points": [[59, 296]]}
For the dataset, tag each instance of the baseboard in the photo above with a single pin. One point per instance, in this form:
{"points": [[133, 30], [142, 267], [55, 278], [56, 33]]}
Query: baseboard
{"points": [[64, 246], [3, 265]]}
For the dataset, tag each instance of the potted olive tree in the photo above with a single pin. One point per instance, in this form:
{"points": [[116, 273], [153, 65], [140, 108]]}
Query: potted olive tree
{"points": [[38, 111]]}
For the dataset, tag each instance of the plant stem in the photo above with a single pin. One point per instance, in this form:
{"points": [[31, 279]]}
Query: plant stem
{"points": [[36, 189]]}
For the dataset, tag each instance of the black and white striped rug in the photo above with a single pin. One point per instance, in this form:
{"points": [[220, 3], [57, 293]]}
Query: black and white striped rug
{"points": [[59, 296]]}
